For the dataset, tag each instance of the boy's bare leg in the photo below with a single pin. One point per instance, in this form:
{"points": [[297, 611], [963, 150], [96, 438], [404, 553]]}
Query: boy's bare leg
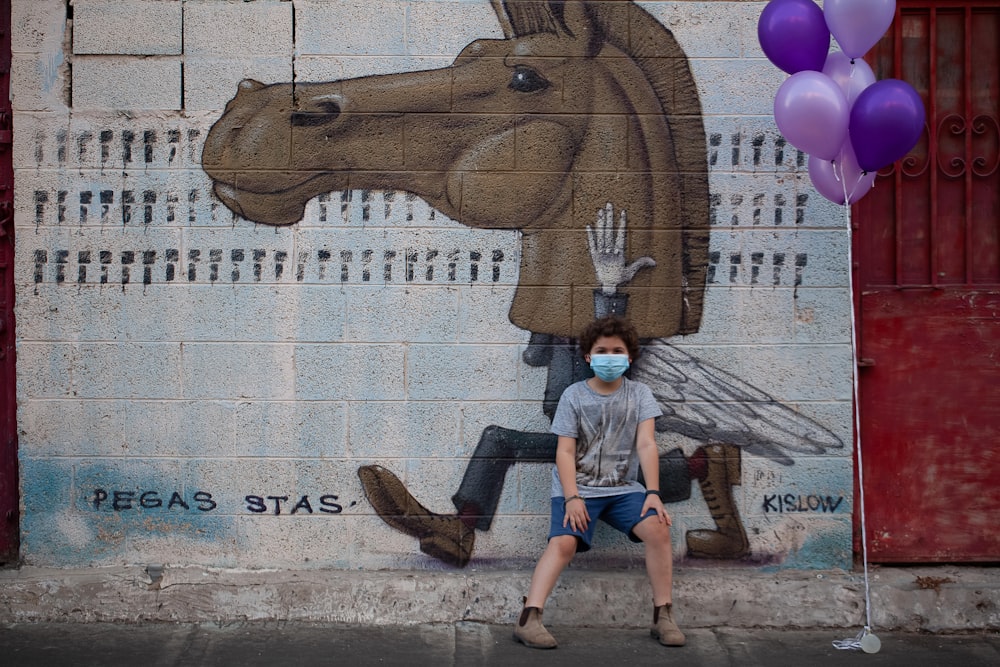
{"points": [[557, 555], [660, 568], [659, 558]]}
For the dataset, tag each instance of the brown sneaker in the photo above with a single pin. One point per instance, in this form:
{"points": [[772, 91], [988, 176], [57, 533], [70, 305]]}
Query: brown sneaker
{"points": [[530, 631], [664, 628], [442, 536]]}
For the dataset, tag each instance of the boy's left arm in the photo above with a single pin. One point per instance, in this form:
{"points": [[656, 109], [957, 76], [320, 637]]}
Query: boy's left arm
{"points": [[649, 461]]}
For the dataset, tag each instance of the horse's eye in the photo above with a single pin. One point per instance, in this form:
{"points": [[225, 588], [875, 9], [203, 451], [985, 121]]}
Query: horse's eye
{"points": [[527, 80]]}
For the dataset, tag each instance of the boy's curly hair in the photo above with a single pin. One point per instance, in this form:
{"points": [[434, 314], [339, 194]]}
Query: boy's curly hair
{"points": [[610, 326]]}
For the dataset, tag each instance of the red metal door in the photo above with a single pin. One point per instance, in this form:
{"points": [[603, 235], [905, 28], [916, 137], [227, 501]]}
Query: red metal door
{"points": [[927, 243], [8, 401]]}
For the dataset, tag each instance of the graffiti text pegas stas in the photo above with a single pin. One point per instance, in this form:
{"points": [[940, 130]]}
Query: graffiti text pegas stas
{"points": [[120, 500]]}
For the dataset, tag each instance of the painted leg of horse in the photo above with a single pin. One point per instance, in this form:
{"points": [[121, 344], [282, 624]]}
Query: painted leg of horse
{"points": [[722, 471], [444, 537], [498, 449]]}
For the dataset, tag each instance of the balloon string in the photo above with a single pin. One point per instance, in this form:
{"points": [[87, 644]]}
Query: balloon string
{"points": [[857, 405]]}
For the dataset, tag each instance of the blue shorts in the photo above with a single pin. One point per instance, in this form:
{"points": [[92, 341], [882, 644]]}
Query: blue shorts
{"points": [[621, 512]]}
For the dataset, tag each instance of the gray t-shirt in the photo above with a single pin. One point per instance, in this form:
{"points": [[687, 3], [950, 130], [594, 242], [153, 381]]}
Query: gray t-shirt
{"points": [[607, 463]]}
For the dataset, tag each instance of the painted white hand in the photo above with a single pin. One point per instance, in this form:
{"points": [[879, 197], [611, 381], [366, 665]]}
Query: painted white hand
{"points": [[607, 251]]}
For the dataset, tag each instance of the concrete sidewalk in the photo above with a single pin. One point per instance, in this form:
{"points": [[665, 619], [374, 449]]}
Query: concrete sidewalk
{"points": [[304, 644], [944, 599]]}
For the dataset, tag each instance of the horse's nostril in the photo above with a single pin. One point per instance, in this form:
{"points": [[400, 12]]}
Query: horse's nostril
{"points": [[320, 113]]}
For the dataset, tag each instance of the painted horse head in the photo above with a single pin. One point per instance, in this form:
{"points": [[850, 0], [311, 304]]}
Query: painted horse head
{"points": [[582, 103]]}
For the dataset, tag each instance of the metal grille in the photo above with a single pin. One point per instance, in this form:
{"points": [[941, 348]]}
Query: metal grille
{"points": [[933, 219]]}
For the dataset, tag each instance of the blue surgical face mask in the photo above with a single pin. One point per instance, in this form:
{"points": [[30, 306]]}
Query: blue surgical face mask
{"points": [[609, 367]]}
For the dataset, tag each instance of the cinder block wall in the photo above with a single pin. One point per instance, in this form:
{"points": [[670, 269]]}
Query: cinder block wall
{"points": [[195, 388]]}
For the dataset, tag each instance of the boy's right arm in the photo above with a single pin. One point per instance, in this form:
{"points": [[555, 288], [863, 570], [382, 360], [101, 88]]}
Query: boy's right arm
{"points": [[576, 515]]}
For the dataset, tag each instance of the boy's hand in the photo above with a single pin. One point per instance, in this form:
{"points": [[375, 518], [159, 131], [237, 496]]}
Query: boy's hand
{"points": [[577, 516], [654, 503], [607, 251]]}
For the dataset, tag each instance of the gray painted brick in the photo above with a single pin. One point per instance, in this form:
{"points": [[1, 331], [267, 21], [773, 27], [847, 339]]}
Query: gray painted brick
{"points": [[227, 29], [417, 313], [225, 370], [346, 371], [71, 428], [462, 372], [301, 428], [407, 428], [132, 370], [180, 428], [126, 83], [139, 27], [325, 28]]}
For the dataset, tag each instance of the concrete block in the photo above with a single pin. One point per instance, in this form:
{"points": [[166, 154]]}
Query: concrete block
{"points": [[135, 370], [709, 29], [180, 429], [208, 540], [37, 26], [307, 542], [233, 255], [299, 313], [71, 428], [236, 371], [755, 315], [227, 29], [445, 28], [177, 312], [753, 145], [53, 313], [417, 254], [462, 372], [209, 83], [51, 373], [341, 28], [38, 83], [350, 372], [82, 256], [484, 309], [125, 83], [407, 428], [315, 429], [413, 313], [323, 68], [372, 210], [736, 86], [129, 27], [110, 142], [779, 258]]}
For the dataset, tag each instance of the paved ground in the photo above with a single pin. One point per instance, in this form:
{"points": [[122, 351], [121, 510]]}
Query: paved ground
{"points": [[303, 644]]}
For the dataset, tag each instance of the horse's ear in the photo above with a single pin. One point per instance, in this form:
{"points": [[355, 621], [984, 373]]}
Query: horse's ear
{"points": [[574, 17], [505, 24]]}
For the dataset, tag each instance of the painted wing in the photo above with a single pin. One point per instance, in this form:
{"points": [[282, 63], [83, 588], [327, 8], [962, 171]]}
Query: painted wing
{"points": [[711, 405]]}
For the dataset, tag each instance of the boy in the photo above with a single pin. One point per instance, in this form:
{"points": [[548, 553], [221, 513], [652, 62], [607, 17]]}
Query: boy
{"points": [[605, 430]]}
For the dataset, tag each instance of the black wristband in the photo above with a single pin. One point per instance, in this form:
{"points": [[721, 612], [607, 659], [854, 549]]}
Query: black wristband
{"points": [[653, 492]]}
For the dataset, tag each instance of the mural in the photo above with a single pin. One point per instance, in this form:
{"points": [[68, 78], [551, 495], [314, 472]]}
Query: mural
{"points": [[585, 115]]}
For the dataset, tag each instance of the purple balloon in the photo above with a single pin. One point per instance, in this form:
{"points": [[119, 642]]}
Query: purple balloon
{"points": [[885, 123], [793, 35], [857, 25], [852, 76], [840, 177], [811, 112]]}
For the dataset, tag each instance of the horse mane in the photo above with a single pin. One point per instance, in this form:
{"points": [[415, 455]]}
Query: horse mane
{"points": [[654, 49]]}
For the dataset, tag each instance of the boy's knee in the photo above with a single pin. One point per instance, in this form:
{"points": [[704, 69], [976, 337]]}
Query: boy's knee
{"points": [[652, 532], [565, 545]]}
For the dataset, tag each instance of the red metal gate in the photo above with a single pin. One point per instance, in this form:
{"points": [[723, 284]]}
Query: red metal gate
{"points": [[927, 242], [8, 401]]}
